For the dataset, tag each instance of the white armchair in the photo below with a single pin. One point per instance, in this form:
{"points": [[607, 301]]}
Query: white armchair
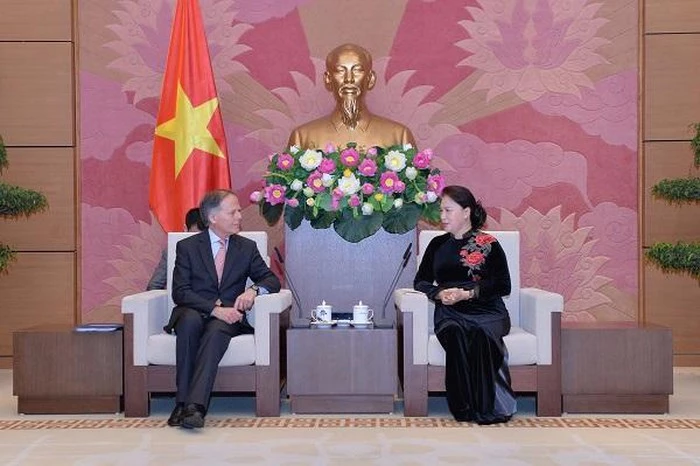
{"points": [[533, 343], [252, 363]]}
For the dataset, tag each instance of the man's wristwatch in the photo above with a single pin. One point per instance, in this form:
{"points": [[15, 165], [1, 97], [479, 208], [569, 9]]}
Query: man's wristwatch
{"points": [[255, 288]]}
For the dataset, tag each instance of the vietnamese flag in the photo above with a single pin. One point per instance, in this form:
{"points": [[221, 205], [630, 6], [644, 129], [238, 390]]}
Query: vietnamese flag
{"points": [[189, 150]]}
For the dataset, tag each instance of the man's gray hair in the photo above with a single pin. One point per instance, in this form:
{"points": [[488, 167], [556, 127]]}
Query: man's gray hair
{"points": [[211, 202]]}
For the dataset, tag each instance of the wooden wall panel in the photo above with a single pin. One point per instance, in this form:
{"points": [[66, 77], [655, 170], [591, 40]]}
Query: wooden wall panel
{"points": [[664, 221], [673, 300], [671, 86], [36, 82], [48, 20], [52, 172], [672, 16], [39, 289]]}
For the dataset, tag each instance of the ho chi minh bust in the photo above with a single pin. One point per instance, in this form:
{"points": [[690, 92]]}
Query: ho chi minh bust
{"points": [[349, 76]]}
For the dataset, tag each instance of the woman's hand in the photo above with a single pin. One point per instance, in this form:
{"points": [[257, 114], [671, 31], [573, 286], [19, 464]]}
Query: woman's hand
{"points": [[451, 296]]}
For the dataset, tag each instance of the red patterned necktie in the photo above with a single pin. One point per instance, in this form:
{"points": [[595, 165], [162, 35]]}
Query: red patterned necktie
{"points": [[220, 258]]}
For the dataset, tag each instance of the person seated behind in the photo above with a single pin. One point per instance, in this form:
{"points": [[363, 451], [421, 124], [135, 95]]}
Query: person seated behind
{"points": [[158, 281], [209, 311], [465, 273]]}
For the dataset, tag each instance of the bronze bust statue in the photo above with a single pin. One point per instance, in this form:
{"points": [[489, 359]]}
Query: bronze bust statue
{"points": [[349, 76]]}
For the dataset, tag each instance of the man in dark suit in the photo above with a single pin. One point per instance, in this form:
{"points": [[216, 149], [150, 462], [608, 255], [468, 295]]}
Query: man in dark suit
{"points": [[210, 294]]}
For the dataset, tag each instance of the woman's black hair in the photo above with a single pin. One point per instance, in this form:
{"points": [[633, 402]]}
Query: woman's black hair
{"points": [[465, 198]]}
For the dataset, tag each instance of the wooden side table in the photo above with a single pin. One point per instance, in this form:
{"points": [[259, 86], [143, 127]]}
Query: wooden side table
{"points": [[341, 370], [57, 370], [616, 367]]}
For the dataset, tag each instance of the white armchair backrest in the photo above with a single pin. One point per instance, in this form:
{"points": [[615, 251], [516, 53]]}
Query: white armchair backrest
{"points": [[510, 241], [260, 238]]}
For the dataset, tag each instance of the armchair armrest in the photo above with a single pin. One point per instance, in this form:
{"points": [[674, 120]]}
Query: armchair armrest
{"points": [[150, 311], [536, 308], [415, 302], [259, 316]]}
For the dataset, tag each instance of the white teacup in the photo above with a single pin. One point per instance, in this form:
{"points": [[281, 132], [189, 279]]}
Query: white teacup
{"points": [[362, 314], [323, 312]]}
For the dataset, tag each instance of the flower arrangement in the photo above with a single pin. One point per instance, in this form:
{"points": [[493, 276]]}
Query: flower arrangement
{"points": [[356, 191]]}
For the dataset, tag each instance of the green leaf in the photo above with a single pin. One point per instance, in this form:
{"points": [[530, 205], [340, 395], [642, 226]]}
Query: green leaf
{"points": [[323, 221], [387, 203], [402, 220], [16, 201], [271, 213], [431, 213], [678, 190], [3, 155], [293, 216], [355, 229], [323, 201], [6, 256], [679, 257]]}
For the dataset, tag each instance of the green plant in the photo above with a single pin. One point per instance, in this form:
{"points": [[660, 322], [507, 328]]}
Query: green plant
{"points": [[679, 257], [15, 202]]}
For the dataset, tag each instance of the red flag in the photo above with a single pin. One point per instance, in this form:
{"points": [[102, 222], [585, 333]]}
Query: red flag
{"points": [[189, 150]]}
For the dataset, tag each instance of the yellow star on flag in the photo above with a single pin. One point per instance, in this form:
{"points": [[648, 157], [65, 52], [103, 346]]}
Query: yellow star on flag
{"points": [[188, 129]]}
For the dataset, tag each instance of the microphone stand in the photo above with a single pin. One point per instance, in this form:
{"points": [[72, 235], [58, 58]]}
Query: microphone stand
{"points": [[402, 265], [292, 288]]}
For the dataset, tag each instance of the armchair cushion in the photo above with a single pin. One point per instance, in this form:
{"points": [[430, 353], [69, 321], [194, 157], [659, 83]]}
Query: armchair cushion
{"points": [[522, 348], [240, 352]]}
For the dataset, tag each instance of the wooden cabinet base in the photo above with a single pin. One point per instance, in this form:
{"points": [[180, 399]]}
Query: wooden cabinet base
{"points": [[622, 404], [69, 405]]}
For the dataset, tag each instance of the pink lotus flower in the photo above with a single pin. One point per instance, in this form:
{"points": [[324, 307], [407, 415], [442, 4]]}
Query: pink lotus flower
{"points": [[255, 197], [349, 157], [293, 202], [274, 194], [285, 162], [436, 183], [400, 187], [330, 148], [315, 181], [372, 152], [354, 201], [367, 189], [338, 193], [368, 167], [388, 181], [422, 159], [327, 166]]}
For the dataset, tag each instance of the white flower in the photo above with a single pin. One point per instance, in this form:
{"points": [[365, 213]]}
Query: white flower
{"points": [[310, 160], [327, 179], [395, 161], [419, 198], [310, 202], [431, 196], [293, 149], [296, 185], [349, 184], [407, 147], [411, 173], [398, 203], [367, 209], [308, 192]]}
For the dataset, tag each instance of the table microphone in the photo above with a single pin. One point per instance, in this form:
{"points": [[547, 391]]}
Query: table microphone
{"points": [[395, 280], [295, 296]]}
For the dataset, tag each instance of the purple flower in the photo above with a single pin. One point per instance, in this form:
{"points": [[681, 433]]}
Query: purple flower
{"points": [[354, 201], [285, 162], [315, 182], [327, 166], [368, 167], [330, 148], [372, 152], [399, 187], [256, 196], [274, 194], [422, 159], [387, 182], [293, 202], [349, 157], [338, 193], [367, 189]]}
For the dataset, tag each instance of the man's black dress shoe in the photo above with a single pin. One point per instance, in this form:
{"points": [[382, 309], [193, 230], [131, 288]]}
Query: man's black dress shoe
{"points": [[193, 417], [175, 419]]}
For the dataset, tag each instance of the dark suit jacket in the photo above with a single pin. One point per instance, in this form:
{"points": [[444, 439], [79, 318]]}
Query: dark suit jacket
{"points": [[195, 284]]}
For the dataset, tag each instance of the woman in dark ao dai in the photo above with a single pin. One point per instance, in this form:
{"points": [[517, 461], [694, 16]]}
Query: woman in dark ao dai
{"points": [[466, 274]]}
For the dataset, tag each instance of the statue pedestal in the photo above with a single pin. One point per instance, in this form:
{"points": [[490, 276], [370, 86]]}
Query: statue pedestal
{"points": [[323, 266]]}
